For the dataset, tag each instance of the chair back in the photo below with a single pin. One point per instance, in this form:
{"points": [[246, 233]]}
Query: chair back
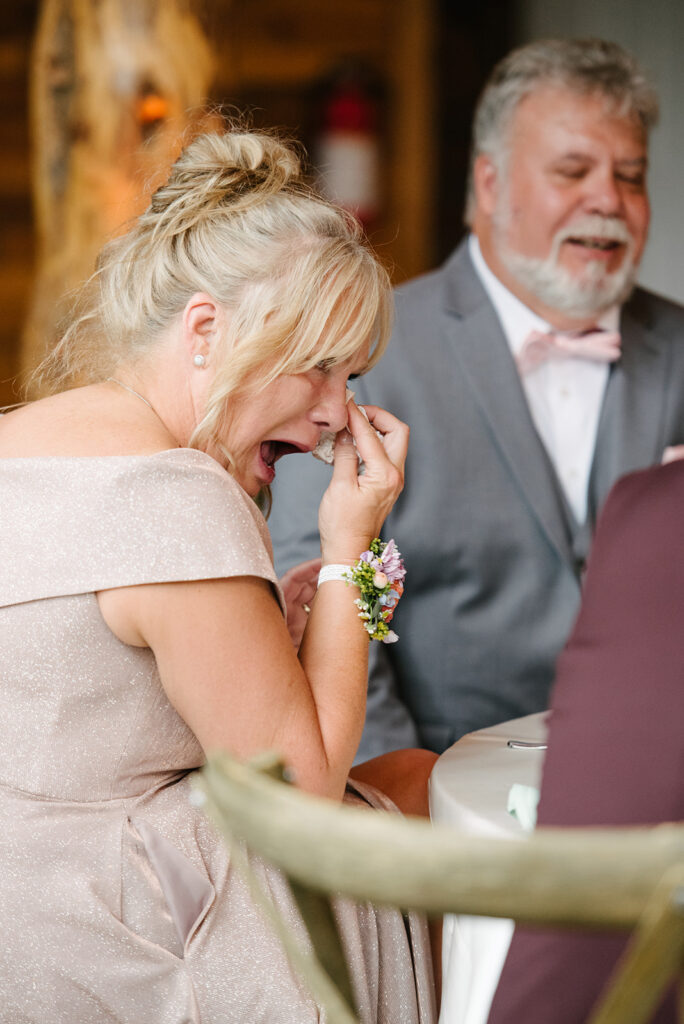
{"points": [[613, 878]]}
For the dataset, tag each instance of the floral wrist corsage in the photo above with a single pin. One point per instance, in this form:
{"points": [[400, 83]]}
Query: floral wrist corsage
{"points": [[379, 575]]}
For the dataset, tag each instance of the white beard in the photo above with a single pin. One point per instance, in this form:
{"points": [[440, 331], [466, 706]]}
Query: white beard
{"points": [[595, 290]]}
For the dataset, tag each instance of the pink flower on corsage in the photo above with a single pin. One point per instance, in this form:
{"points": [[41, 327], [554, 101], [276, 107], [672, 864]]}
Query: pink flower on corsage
{"points": [[392, 563], [386, 561], [379, 575]]}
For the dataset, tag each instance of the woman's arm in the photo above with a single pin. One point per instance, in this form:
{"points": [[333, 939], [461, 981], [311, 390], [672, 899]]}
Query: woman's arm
{"points": [[223, 650]]}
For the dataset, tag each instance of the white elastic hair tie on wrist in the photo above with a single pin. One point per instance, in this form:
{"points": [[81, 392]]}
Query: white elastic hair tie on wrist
{"points": [[332, 572]]}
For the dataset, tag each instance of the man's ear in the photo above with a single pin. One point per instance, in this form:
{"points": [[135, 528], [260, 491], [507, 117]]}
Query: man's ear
{"points": [[487, 184], [202, 320]]}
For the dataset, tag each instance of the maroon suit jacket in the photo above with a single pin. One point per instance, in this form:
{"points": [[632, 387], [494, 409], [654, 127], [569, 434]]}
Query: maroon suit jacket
{"points": [[616, 741]]}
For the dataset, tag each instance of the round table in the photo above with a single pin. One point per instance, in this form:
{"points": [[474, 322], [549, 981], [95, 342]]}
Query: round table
{"points": [[469, 790]]}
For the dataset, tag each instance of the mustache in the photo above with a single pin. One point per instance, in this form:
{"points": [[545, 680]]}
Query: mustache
{"points": [[593, 225]]}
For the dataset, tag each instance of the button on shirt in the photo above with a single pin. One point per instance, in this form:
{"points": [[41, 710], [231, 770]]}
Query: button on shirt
{"points": [[564, 396]]}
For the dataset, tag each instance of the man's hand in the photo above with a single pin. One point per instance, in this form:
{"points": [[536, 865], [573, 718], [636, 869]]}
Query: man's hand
{"points": [[299, 586]]}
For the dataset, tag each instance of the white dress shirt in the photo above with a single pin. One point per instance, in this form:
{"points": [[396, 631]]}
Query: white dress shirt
{"points": [[565, 396]]}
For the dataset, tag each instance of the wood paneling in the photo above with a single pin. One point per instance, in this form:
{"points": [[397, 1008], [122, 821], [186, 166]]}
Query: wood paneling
{"points": [[275, 58], [426, 58], [16, 235]]}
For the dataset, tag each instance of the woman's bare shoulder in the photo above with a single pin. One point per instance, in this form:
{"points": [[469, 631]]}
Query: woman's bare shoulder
{"points": [[83, 421]]}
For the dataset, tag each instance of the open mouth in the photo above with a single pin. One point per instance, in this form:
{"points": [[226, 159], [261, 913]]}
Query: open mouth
{"points": [[271, 451], [598, 244]]}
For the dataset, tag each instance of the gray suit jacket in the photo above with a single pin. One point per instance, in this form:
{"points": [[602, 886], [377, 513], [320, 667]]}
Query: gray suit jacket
{"points": [[493, 555]]}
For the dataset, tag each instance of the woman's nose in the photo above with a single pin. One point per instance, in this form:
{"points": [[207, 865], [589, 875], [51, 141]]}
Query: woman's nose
{"points": [[330, 412]]}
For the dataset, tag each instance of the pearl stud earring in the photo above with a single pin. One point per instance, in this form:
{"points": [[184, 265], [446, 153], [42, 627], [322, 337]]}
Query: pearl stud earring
{"points": [[199, 359]]}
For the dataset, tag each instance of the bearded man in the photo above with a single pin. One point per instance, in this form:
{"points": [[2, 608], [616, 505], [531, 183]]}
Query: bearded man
{"points": [[533, 374]]}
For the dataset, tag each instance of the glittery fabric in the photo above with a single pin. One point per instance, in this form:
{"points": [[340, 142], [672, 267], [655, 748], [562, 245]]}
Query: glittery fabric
{"points": [[118, 902]]}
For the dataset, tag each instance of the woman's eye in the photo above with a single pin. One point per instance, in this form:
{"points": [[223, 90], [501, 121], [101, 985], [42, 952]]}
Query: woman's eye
{"points": [[325, 365]]}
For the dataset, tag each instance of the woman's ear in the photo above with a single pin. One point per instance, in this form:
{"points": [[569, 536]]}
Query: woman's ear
{"points": [[202, 321]]}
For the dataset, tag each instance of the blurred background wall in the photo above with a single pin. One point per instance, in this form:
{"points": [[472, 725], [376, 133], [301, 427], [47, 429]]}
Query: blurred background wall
{"points": [[398, 78]]}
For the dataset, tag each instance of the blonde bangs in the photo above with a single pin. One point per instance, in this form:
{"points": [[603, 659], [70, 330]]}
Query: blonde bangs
{"points": [[333, 301]]}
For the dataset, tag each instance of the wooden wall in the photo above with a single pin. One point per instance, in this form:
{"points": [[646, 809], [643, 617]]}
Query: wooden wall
{"points": [[16, 238], [426, 59]]}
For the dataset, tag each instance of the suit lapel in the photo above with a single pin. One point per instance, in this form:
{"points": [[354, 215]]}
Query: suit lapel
{"points": [[630, 434], [485, 359]]}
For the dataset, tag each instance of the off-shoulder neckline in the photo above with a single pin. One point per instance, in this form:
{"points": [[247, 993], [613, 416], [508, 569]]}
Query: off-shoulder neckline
{"points": [[106, 458]]}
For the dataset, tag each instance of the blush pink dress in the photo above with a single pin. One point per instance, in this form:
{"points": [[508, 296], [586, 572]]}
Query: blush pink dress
{"points": [[118, 901]]}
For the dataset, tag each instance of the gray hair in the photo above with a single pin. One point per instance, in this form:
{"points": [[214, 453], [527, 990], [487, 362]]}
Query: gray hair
{"points": [[585, 66]]}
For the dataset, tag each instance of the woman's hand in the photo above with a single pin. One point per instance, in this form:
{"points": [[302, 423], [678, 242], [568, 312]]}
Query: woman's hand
{"points": [[299, 586], [354, 507]]}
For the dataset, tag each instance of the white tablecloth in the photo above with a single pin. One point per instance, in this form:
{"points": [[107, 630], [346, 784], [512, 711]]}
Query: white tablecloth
{"points": [[469, 790]]}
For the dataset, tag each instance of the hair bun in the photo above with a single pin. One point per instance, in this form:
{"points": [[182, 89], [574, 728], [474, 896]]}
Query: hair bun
{"points": [[235, 169], [261, 154]]}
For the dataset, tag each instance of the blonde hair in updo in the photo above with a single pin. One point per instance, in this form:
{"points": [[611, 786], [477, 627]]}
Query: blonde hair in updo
{"points": [[237, 221]]}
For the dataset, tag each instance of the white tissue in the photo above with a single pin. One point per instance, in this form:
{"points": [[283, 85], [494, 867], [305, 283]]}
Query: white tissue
{"points": [[325, 449]]}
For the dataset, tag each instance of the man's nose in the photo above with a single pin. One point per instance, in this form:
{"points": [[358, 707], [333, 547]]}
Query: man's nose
{"points": [[604, 195]]}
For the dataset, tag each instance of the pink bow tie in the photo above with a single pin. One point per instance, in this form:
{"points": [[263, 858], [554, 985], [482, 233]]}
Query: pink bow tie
{"points": [[597, 345]]}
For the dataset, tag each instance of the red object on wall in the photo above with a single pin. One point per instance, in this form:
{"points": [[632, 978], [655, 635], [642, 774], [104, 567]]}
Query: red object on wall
{"points": [[347, 150]]}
